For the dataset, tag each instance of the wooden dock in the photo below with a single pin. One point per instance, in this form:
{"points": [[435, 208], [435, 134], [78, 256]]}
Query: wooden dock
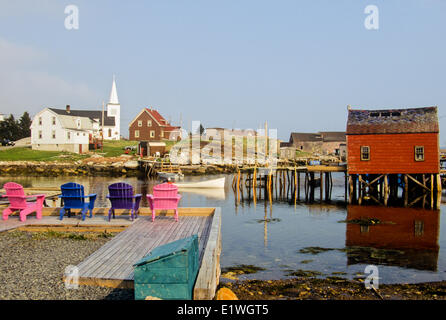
{"points": [[112, 264]]}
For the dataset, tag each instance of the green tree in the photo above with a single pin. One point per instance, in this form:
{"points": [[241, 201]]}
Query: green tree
{"points": [[9, 128], [25, 126]]}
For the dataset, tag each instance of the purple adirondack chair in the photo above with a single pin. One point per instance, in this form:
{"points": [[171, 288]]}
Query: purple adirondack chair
{"points": [[17, 202], [165, 197], [121, 197]]}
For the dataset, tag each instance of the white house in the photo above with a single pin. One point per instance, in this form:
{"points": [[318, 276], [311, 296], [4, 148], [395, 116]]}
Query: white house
{"points": [[2, 117], [54, 132], [73, 130]]}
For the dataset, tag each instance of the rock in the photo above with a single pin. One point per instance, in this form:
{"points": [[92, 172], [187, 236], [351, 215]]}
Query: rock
{"points": [[132, 164], [117, 164]]}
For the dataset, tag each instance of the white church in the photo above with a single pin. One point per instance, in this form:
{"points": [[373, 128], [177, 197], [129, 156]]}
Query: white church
{"points": [[74, 130]]}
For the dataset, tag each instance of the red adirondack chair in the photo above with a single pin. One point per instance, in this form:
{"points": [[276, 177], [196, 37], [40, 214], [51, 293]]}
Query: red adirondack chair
{"points": [[165, 197], [17, 202]]}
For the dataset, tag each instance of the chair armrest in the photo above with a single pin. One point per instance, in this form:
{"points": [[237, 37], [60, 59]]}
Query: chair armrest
{"points": [[139, 195], [35, 196], [91, 195]]}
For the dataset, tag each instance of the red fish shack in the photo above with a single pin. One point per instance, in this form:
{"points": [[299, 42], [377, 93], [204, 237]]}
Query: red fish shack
{"points": [[391, 148]]}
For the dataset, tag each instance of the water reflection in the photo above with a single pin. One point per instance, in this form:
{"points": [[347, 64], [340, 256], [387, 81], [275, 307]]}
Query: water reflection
{"points": [[404, 237], [272, 234]]}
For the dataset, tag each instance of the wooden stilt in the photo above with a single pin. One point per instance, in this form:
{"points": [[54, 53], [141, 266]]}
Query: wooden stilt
{"points": [[432, 191], [406, 190], [322, 186]]}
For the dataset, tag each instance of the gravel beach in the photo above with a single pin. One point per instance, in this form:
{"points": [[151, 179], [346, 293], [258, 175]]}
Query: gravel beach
{"points": [[32, 266]]}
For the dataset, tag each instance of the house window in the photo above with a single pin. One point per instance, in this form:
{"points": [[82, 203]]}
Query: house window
{"points": [[419, 153], [136, 133], [139, 123], [40, 121], [149, 123], [162, 133], [152, 133], [40, 134], [365, 153], [109, 133], [68, 135], [54, 134], [53, 119]]}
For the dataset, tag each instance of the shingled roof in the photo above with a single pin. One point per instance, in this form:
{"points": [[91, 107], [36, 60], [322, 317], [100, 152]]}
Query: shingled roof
{"points": [[413, 120], [92, 114]]}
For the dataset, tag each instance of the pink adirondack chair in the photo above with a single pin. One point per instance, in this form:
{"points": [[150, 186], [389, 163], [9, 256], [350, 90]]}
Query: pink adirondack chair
{"points": [[165, 197], [17, 201]]}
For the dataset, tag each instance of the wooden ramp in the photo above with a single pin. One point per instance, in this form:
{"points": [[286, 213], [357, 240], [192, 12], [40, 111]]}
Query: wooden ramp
{"points": [[112, 264]]}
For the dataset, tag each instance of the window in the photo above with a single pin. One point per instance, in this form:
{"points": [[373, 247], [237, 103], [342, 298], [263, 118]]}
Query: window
{"points": [[40, 134], [109, 133], [419, 228], [149, 123], [139, 123], [53, 119], [78, 123], [40, 121], [419, 153], [136, 133], [54, 134], [68, 135], [162, 133], [365, 153], [152, 133]]}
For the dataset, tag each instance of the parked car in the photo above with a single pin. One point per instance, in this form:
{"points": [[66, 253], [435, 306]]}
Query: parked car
{"points": [[7, 142]]}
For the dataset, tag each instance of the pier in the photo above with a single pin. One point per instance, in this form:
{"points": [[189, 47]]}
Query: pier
{"points": [[310, 184], [285, 182], [112, 264]]}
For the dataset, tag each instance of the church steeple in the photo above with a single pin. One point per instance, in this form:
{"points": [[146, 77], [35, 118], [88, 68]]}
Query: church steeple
{"points": [[114, 93]]}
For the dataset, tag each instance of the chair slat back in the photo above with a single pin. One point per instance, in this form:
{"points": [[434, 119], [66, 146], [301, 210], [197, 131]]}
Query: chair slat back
{"points": [[162, 193], [121, 195], [73, 195], [16, 195]]}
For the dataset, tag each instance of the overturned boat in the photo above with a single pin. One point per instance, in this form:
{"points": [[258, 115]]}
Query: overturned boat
{"points": [[214, 183]]}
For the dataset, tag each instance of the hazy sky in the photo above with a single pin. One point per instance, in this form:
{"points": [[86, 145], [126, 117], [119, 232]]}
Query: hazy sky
{"points": [[297, 64]]}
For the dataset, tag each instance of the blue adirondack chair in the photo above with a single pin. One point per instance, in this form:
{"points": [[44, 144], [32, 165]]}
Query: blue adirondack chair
{"points": [[73, 198], [121, 197]]}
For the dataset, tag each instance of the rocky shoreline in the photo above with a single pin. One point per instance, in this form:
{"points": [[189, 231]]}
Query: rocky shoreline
{"points": [[97, 166], [334, 288]]}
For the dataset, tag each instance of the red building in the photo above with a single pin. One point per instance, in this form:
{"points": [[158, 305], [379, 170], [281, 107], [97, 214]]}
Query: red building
{"points": [[396, 141], [150, 125]]}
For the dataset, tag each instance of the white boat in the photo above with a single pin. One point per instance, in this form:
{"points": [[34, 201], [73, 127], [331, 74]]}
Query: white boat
{"points": [[172, 176], [214, 183], [210, 193]]}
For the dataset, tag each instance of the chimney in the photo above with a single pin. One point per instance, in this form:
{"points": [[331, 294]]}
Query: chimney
{"points": [[68, 108]]}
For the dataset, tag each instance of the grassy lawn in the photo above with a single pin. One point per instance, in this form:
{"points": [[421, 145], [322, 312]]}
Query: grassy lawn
{"points": [[27, 154], [111, 149], [115, 148]]}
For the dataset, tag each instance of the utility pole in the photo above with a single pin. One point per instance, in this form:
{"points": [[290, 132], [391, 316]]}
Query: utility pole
{"points": [[266, 140], [102, 130]]}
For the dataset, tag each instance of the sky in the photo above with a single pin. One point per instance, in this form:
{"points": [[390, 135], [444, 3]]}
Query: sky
{"points": [[235, 64]]}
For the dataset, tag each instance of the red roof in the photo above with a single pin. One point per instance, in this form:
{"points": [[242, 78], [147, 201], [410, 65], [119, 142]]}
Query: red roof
{"points": [[160, 119]]}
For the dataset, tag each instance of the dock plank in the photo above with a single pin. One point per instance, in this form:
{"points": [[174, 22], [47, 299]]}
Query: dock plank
{"points": [[114, 260]]}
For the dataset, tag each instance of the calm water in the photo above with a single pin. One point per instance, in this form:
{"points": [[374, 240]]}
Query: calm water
{"points": [[409, 248]]}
